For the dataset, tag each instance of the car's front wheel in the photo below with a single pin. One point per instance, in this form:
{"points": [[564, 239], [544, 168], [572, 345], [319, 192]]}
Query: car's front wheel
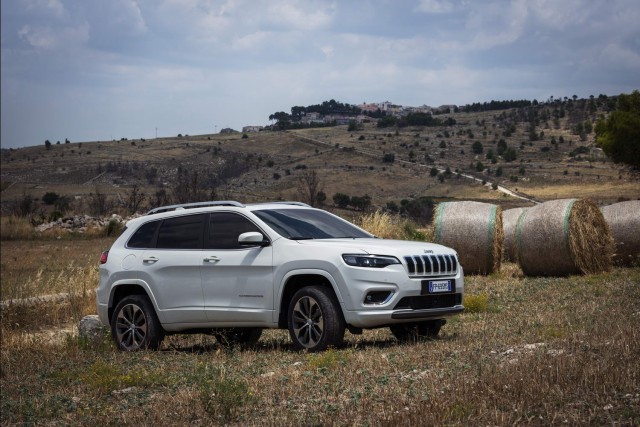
{"points": [[315, 320], [412, 332], [135, 325]]}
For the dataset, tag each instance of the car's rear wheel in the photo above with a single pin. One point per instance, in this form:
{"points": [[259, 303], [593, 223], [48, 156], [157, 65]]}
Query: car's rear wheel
{"points": [[314, 319], [243, 337], [412, 332], [135, 325]]}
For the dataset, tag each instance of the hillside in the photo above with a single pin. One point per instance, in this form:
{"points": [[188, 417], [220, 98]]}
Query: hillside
{"points": [[552, 160]]}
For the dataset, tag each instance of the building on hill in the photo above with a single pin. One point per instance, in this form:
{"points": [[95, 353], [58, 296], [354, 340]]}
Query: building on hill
{"points": [[312, 117], [228, 130], [248, 129]]}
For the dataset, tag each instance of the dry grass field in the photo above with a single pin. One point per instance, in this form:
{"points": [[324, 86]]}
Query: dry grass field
{"points": [[537, 351]]}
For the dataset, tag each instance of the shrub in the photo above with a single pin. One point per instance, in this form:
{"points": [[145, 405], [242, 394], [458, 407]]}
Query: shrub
{"points": [[50, 198], [341, 200], [475, 303], [113, 228], [389, 158], [477, 147]]}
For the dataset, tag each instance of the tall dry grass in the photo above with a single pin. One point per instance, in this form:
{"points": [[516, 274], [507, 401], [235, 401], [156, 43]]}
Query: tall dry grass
{"points": [[15, 228], [387, 226]]}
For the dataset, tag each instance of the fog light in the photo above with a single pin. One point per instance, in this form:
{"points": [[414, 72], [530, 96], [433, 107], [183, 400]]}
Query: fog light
{"points": [[378, 297]]}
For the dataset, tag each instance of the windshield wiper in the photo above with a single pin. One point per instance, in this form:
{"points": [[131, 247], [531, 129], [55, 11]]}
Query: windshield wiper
{"points": [[300, 238]]}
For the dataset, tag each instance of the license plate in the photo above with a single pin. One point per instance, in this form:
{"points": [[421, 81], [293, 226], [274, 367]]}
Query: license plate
{"points": [[437, 286]]}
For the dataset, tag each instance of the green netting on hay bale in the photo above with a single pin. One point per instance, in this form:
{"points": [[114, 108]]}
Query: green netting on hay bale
{"points": [[563, 237], [474, 230], [509, 226], [624, 222]]}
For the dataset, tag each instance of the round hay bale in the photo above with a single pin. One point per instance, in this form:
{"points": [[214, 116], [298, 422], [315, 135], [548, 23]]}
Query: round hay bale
{"points": [[509, 226], [624, 222], [563, 237], [474, 230]]}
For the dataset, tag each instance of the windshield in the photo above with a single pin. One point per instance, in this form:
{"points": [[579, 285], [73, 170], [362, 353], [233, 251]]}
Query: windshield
{"points": [[299, 224]]}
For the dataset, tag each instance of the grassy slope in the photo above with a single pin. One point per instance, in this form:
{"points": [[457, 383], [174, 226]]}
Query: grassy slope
{"points": [[71, 169]]}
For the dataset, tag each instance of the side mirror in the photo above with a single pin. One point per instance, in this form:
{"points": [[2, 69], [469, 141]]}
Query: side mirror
{"points": [[252, 238]]}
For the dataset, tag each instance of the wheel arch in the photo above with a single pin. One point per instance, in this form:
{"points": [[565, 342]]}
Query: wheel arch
{"points": [[122, 290], [298, 280]]}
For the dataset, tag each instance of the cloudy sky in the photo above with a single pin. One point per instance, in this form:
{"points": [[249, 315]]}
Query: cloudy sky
{"points": [[106, 69]]}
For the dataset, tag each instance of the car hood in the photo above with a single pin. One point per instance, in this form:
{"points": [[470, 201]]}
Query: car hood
{"points": [[381, 246]]}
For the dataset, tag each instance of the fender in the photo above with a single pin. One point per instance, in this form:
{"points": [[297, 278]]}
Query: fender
{"points": [[136, 282], [300, 272]]}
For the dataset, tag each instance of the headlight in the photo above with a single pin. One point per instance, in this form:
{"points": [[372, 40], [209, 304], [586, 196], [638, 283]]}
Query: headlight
{"points": [[372, 261]]}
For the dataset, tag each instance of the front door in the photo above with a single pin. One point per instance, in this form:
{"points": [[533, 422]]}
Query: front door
{"points": [[237, 281]]}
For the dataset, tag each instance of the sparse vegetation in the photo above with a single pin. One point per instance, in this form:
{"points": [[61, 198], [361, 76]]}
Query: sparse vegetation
{"points": [[544, 349]]}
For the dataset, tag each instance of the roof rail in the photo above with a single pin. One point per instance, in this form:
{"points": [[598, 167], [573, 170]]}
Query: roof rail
{"points": [[195, 205], [285, 203]]}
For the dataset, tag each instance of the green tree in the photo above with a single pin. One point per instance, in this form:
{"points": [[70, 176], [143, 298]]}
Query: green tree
{"points": [[619, 134]]}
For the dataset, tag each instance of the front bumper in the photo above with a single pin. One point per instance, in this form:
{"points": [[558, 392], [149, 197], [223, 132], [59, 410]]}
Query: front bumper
{"points": [[408, 301]]}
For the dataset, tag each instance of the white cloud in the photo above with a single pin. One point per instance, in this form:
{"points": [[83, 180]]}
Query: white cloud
{"points": [[559, 14], [618, 56], [55, 7], [50, 38], [435, 6], [497, 24], [250, 41], [327, 51], [300, 14]]}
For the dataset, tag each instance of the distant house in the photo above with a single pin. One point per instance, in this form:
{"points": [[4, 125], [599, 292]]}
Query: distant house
{"points": [[228, 130], [369, 107], [248, 129], [445, 109], [312, 117]]}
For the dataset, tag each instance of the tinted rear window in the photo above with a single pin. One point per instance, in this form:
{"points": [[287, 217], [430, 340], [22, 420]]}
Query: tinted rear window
{"points": [[184, 232], [143, 237]]}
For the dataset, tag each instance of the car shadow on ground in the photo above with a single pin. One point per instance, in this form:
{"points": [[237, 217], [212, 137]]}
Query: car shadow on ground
{"points": [[352, 342]]}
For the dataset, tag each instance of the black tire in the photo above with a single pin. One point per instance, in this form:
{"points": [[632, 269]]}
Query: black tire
{"points": [[135, 325], [243, 337], [413, 332], [315, 320]]}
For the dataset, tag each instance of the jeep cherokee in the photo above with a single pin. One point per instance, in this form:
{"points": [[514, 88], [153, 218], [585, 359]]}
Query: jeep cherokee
{"points": [[231, 270]]}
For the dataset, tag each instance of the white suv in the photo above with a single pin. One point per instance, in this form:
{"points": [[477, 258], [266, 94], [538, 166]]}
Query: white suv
{"points": [[231, 270]]}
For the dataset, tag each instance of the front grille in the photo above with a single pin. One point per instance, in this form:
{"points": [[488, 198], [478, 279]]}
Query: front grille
{"points": [[432, 265], [425, 302]]}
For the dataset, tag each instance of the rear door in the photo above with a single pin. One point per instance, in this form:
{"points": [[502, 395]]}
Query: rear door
{"points": [[237, 281], [173, 269]]}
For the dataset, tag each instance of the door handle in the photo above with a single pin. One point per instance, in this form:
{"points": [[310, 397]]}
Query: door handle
{"points": [[150, 260], [212, 259]]}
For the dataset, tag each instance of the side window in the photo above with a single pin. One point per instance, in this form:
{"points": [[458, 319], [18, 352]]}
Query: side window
{"points": [[143, 237], [183, 232], [224, 229]]}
